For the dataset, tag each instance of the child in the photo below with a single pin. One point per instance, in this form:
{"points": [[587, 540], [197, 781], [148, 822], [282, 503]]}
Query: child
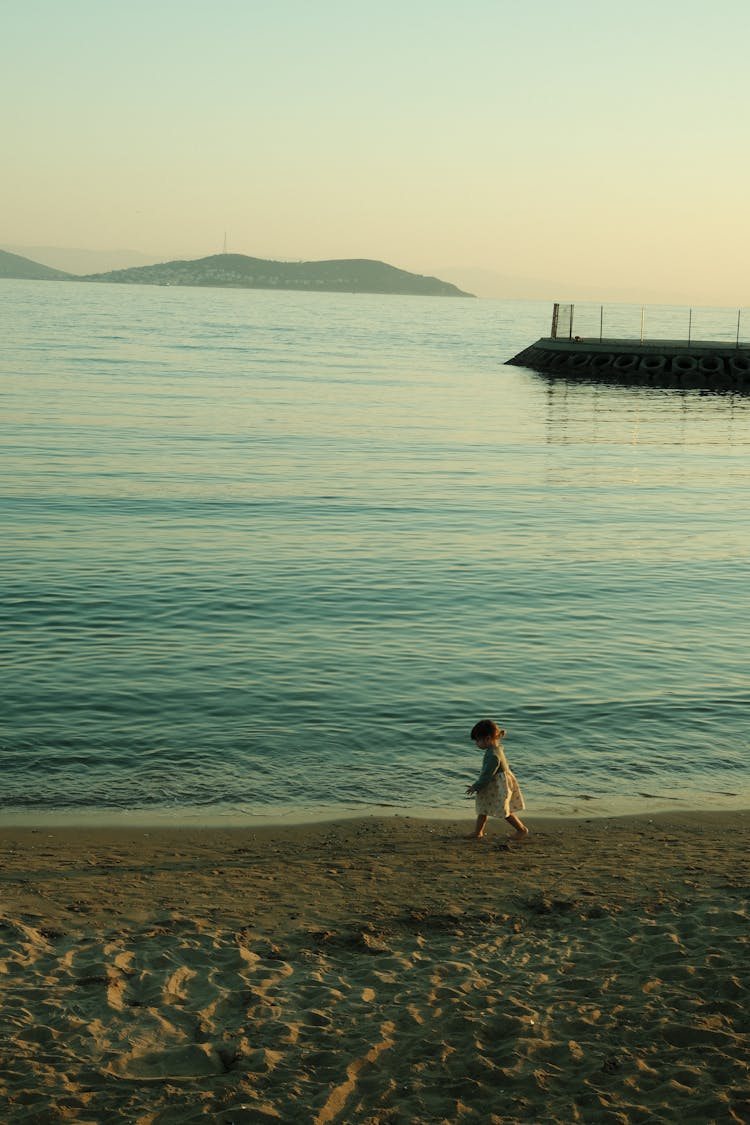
{"points": [[497, 790]]}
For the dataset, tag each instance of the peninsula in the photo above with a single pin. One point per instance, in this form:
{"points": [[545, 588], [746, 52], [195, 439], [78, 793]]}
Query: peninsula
{"points": [[238, 271], [23, 269]]}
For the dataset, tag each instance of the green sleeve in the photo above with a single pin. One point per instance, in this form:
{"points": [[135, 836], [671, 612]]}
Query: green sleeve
{"points": [[490, 765]]}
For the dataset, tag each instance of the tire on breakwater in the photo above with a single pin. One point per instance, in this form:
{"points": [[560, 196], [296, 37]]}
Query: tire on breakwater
{"points": [[529, 357], [711, 365], [601, 365], [651, 365], [717, 373], [653, 371], [739, 366], [576, 361], [536, 358], [685, 369], [626, 367]]}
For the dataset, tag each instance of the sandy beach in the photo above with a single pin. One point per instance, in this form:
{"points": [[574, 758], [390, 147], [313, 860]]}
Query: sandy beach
{"points": [[378, 970]]}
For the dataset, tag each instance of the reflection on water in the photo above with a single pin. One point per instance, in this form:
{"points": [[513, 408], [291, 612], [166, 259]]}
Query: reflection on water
{"points": [[637, 415]]}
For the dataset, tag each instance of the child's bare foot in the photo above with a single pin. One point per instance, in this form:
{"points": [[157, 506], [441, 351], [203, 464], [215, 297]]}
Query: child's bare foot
{"points": [[521, 834]]}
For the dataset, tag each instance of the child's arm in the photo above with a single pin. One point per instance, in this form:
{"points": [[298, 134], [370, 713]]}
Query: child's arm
{"points": [[490, 765]]}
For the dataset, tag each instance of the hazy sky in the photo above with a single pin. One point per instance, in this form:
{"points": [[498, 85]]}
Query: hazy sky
{"points": [[599, 144]]}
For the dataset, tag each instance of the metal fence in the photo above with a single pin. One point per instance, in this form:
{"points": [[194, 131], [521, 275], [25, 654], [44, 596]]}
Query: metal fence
{"points": [[650, 323]]}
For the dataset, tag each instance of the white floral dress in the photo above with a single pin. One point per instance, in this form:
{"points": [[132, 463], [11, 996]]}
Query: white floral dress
{"points": [[501, 795]]}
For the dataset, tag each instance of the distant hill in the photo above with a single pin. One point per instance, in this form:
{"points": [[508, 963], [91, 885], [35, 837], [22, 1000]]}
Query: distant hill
{"points": [[13, 265], [75, 260], [350, 275]]}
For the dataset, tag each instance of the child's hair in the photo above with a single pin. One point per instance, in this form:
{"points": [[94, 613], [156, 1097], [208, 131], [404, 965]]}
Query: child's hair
{"points": [[485, 728]]}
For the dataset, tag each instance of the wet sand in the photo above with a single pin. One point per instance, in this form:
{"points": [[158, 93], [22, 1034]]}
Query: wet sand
{"points": [[378, 970]]}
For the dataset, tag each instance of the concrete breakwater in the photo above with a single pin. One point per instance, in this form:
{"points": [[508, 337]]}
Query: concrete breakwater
{"points": [[699, 364]]}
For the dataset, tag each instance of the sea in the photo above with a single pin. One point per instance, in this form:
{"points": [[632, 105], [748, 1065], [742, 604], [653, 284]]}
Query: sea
{"points": [[269, 556]]}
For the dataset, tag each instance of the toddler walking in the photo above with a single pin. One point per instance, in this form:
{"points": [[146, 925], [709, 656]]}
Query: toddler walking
{"points": [[496, 788]]}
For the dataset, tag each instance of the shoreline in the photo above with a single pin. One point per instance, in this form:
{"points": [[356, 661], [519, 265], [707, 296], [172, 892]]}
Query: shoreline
{"points": [[378, 969], [583, 807]]}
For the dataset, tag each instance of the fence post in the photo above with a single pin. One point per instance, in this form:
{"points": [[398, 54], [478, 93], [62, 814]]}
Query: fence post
{"points": [[601, 322], [690, 324], [555, 314], [739, 314], [643, 318]]}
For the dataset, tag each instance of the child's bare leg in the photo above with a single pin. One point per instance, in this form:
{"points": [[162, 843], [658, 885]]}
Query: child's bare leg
{"points": [[517, 823], [480, 826]]}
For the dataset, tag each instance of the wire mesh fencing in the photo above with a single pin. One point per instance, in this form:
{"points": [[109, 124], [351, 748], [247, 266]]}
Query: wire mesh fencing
{"points": [[588, 321]]}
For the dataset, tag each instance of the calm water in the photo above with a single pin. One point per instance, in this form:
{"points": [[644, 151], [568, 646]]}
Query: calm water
{"points": [[268, 553]]}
